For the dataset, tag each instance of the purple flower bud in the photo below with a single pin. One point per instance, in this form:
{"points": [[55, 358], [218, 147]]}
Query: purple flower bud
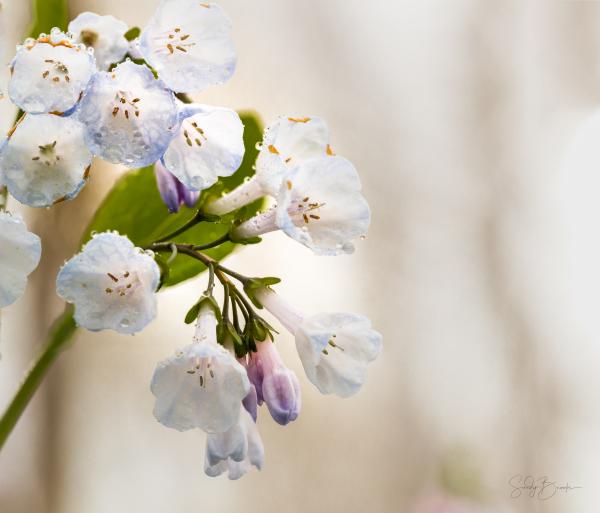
{"points": [[172, 191], [275, 384], [250, 403]]}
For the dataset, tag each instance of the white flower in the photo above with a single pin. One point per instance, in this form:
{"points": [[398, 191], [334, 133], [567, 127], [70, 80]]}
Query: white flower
{"points": [[20, 252], [189, 44], [129, 116], [105, 34], [50, 73], [210, 144], [287, 143], [319, 205], [235, 451], [112, 284], [45, 160], [335, 348], [202, 386]]}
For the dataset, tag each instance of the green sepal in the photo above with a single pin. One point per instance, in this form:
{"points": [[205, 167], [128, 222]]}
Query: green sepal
{"points": [[132, 33], [193, 312], [258, 283]]}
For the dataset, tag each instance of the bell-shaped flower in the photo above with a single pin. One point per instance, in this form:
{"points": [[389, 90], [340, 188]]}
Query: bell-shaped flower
{"points": [[287, 143], [20, 252], [334, 348], [172, 191], [45, 159], [189, 44], [250, 402], [210, 143], [202, 386], [130, 117], [275, 384], [105, 34], [235, 451], [112, 284], [50, 73], [319, 205]]}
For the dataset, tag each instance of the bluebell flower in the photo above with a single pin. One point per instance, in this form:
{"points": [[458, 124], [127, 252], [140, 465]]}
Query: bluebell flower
{"points": [[50, 73], [105, 34], [189, 44], [173, 193], [130, 117], [45, 160], [112, 285]]}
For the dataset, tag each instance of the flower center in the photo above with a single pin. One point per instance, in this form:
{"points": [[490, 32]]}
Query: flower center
{"points": [[173, 41], [88, 37], [192, 133], [202, 367], [122, 285], [333, 344], [47, 154], [56, 70], [123, 103], [309, 210]]}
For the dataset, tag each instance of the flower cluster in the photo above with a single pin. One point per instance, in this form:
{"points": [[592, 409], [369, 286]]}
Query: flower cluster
{"points": [[91, 92]]}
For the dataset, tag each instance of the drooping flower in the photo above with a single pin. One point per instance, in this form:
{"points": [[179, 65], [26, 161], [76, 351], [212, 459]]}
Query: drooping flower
{"points": [[112, 284], [20, 252], [105, 34], [235, 451], [172, 191], [334, 348], [275, 384], [287, 143], [189, 44], [50, 73], [319, 205], [202, 386], [130, 117], [210, 144], [45, 159]]}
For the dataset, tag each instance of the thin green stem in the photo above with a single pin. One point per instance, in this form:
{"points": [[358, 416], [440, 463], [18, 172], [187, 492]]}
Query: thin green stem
{"points": [[60, 334], [198, 218]]}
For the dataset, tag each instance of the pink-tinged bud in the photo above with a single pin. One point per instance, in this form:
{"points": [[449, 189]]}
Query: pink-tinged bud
{"points": [[275, 384]]}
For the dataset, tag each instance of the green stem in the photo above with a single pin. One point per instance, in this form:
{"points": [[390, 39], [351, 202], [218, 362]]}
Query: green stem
{"points": [[60, 334]]}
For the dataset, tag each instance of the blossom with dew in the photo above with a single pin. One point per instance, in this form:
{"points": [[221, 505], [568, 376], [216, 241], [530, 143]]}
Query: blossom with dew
{"points": [[49, 74], [130, 117], [105, 34], [45, 159], [320, 205], [112, 284], [202, 385], [20, 252], [236, 450], [335, 348], [172, 191], [189, 44], [275, 384], [210, 143], [286, 143]]}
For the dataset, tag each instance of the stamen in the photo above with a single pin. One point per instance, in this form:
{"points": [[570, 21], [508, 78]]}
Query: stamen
{"points": [[112, 277]]}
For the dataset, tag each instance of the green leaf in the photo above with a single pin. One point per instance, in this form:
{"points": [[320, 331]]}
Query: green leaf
{"points": [[134, 208], [132, 33], [48, 14]]}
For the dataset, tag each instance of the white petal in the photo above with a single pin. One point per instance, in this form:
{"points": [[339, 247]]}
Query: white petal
{"points": [[349, 343], [20, 252], [45, 160], [287, 143], [112, 284], [235, 451], [210, 144], [320, 205], [50, 73], [189, 44], [105, 34], [202, 386]]}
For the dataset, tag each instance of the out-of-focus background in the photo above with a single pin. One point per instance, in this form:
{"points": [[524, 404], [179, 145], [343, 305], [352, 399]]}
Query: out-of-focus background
{"points": [[474, 126]]}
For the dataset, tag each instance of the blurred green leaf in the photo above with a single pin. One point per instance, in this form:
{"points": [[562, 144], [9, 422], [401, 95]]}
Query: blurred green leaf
{"points": [[134, 208], [48, 14], [132, 33]]}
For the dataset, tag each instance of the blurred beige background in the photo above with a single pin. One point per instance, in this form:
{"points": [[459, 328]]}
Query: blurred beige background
{"points": [[472, 125]]}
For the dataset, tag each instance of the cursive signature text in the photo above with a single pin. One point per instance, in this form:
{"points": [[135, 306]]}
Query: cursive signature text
{"points": [[540, 488]]}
